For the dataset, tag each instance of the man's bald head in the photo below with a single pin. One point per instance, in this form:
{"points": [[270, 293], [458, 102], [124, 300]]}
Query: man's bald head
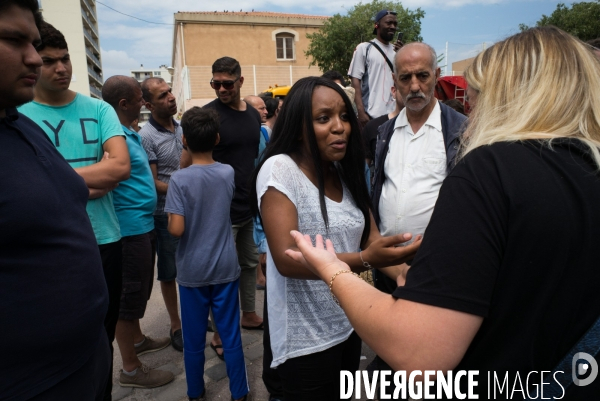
{"points": [[254, 101], [415, 47], [259, 105], [125, 96], [119, 87]]}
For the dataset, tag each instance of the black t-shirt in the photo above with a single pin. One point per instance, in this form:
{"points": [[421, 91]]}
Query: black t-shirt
{"points": [[515, 238], [240, 135], [53, 295], [369, 134]]}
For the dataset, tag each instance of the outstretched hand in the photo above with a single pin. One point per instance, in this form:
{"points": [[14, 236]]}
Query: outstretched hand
{"points": [[388, 251], [319, 259]]}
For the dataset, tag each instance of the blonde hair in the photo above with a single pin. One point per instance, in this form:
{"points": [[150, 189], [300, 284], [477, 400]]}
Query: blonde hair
{"points": [[539, 84]]}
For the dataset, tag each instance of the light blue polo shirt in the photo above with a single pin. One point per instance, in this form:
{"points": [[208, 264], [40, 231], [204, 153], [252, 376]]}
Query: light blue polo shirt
{"points": [[135, 198], [78, 130]]}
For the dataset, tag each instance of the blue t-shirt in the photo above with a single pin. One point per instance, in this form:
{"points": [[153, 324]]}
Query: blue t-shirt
{"points": [[206, 254], [135, 198], [78, 130]]}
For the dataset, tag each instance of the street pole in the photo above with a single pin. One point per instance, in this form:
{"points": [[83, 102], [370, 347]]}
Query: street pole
{"points": [[447, 61]]}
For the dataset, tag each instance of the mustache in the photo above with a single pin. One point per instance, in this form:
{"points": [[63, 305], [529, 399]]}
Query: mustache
{"points": [[418, 95]]}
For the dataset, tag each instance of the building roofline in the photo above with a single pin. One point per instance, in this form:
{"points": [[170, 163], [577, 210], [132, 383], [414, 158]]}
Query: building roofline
{"points": [[249, 18]]}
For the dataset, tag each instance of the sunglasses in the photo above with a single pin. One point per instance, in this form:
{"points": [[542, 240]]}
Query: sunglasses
{"points": [[227, 85]]}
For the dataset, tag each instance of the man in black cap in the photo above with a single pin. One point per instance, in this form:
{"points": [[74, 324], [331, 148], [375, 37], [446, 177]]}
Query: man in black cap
{"points": [[371, 69]]}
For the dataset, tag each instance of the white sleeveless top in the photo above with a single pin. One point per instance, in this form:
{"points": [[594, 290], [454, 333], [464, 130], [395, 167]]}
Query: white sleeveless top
{"points": [[303, 318]]}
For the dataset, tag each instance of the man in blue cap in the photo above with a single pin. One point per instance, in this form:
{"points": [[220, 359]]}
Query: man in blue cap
{"points": [[371, 69]]}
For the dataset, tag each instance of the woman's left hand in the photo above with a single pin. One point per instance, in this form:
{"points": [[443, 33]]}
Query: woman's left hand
{"points": [[319, 259], [387, 251]]}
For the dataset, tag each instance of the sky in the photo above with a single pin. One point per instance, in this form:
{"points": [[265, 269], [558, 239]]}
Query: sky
{"points": [[466, 25]]}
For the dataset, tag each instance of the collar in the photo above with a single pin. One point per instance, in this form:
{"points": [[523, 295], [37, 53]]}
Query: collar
{"points": [[159, 127], [434, 120], [11, 114], [129, 131], [381, 44]]}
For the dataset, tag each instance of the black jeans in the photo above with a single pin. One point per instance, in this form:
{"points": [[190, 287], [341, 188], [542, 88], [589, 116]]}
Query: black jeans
{"points": [[112, 263], [270, 376], [316, 377]]}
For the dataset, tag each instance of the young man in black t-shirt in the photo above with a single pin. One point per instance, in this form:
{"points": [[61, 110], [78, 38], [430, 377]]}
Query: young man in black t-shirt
{"points": [[238, 147]]}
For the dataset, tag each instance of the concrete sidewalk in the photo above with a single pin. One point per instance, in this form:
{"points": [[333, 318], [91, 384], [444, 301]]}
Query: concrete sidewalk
{"points": [[156, 324]]}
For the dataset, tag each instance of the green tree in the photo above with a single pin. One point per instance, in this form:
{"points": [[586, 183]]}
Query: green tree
{"points": [[581, 20], [332, 47]]}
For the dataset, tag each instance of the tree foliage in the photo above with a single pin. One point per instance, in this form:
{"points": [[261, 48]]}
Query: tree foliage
{"points": [[581, 20], [332, 47]]}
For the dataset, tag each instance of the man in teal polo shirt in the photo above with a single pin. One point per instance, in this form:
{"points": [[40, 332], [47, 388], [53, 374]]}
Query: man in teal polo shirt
{"points": [[87, 133], [135, 201]]}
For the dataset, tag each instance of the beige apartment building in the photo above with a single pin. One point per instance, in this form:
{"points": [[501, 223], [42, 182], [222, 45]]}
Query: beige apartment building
{"points": [[459, 67], [77, 20], [269, 47]]}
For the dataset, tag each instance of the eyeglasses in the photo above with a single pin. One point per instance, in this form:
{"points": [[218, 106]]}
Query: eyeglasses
{"points": [[227, 85]]}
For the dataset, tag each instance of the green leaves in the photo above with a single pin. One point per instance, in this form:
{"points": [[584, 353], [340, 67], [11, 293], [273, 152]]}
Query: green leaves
{"points": [[581, 20], [332, 47]]}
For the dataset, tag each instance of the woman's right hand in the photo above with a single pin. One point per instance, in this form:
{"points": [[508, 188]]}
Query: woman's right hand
{"points": [[385, 251]]}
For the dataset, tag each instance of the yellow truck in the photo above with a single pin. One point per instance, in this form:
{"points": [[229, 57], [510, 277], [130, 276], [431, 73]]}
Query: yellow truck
{"points": [[278, 91]]}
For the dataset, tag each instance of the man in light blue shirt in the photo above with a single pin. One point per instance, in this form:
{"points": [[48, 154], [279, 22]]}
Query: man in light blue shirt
{"points": [[135, 201], [88, 134]]}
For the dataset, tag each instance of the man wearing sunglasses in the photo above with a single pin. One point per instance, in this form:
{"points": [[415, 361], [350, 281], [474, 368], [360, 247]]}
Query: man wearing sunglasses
{"points": [[371, 69], [240, 135]]}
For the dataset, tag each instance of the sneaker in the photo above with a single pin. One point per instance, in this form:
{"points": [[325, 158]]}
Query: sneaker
{"points": [[146, 378], [152, 345], [177, 340]]}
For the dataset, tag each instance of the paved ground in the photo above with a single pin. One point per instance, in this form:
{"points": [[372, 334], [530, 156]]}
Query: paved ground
{"points": [[156, 324]]}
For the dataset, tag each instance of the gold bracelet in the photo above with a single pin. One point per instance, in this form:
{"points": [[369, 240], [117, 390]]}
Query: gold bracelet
{"points": [[333, 278]]}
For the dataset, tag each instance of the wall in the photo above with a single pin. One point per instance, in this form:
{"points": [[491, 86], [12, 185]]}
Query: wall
{"points": [[459, 67], [256, 78], [252, 44], [200, 38]]}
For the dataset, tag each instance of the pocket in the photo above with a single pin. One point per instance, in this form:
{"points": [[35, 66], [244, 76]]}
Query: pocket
{"points": [[132, 286], [434, 164]]}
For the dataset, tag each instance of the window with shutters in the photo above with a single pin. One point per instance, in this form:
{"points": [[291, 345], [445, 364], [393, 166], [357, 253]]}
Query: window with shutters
{"points": [[285, 46]]}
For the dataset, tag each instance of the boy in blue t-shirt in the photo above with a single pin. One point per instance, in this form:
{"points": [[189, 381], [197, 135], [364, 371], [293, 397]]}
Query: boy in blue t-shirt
{"points": [[198, 202]]}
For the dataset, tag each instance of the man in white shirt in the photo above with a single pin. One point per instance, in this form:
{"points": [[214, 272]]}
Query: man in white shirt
{"points": [[415, 151], [421, 142], [371, 70]]}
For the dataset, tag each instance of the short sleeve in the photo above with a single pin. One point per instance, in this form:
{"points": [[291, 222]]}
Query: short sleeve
{"points": [[458, 262], [174, 199], [150, 148], [357, 66], [278, 172], [110, 125]]}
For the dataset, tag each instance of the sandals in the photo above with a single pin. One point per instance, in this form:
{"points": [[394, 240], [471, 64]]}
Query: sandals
{"points": [[259, 327], [218, 346]]}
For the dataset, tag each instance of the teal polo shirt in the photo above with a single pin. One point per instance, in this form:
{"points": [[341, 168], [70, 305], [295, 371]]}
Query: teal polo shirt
{"points": [[135, 198]]}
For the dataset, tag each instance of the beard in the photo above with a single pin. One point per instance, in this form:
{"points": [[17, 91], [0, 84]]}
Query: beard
{"points": [[388, 36], [420, 95]]}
